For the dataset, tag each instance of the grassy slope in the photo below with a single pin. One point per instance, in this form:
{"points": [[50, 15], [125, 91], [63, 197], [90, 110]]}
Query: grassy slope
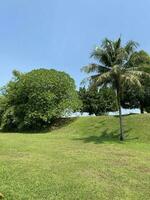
{"points": [[80, 161]]}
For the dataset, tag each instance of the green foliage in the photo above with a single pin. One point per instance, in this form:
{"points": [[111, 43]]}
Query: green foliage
{"points": [[134, 97], [147, 109], [137, 98], [139, 59], [96, 101], [33, 100]]}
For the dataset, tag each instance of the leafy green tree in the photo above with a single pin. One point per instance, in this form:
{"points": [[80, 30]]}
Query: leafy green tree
{"points": [[115, 69], [97, 101], [134, 97], [140, 59], [33, 100]]}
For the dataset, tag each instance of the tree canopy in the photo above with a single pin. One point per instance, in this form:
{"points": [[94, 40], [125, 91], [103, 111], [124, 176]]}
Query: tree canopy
{"points": [[33, 100], [134, 97], [97, 101]]}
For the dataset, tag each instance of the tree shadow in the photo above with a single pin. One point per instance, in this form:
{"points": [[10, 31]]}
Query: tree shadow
{"points": [[56, 124], [106, 136], [61, 122], [125, 115]]}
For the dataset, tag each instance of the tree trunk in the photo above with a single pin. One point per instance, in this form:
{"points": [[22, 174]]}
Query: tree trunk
{"points": [[141, 109], [121, 137]]}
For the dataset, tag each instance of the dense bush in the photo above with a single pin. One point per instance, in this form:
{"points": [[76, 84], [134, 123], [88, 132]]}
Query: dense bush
{"points": [[33, 100]]}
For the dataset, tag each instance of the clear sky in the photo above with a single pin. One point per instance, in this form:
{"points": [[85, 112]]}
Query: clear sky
{"points": [[60, 34]]}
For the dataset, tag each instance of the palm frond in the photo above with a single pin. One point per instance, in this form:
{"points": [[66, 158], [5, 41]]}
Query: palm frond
{"points": [[145, 68], [90, 68], [117, 70], [101, 56], [103, 78], [131, 46], [130, 80], [105, 43], [117, 43], [139, 73], [95, 68]]}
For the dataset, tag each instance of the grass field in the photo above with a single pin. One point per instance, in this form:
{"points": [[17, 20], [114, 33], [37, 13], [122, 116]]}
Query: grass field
{"points": [[82, 160]]}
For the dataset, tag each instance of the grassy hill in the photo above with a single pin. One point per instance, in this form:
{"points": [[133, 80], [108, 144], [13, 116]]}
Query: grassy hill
{"points": [[82, 160]]}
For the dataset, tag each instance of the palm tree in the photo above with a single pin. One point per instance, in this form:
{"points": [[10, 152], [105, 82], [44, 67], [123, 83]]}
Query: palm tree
{"points": [[114, 69]]}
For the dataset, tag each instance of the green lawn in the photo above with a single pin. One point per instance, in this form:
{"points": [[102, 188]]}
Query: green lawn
{"points": [[80, 161]]}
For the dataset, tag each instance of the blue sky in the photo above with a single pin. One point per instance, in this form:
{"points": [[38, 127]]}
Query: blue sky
{"points": [[60, 34]]}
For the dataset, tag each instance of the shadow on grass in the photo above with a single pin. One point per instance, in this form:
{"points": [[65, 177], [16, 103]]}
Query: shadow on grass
{"points": [[107, 136], [62, 122], [56, 124], [125, 115]]}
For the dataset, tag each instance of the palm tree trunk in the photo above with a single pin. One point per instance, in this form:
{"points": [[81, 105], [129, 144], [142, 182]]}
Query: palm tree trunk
{"points": [[120, 117]]}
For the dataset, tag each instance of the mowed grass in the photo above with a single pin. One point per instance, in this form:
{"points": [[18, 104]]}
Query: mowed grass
{"points": [[82, 160]]}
